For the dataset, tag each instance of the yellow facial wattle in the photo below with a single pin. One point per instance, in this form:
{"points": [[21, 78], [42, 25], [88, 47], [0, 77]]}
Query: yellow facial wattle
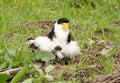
{"points": [[65, 25]]}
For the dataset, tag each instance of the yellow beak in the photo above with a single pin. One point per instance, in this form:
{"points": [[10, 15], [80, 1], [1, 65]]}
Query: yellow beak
{"points": [[65, 25]]}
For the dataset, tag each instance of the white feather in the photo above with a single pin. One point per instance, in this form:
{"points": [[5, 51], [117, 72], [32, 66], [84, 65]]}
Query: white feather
{"points": [[43, 43], [71, 49], [59, 54]]}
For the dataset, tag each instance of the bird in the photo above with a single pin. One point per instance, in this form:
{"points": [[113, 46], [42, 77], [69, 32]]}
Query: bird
{"points": [[58, 52], [59, 35]]}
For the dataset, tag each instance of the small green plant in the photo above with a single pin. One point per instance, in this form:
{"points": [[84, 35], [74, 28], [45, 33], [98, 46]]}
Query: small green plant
{"points": [[43, 56], [3, 78], [41, 75]]}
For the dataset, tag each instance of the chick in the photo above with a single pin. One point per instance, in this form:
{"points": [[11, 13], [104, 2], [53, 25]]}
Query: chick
{"points": [[58, 52]]}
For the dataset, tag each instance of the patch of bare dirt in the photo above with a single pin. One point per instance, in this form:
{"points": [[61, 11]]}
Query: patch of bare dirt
{"points": [[79, 74], [43, 24], [83, 75], [67, 74], [9, 35], [98, 47], [62, 71], [117, 58], [93, 62], [105, 31], [102, 48], [46, 25], [116, 22]]}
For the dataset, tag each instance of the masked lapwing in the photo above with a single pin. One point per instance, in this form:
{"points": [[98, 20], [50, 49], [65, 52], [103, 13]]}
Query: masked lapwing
{"points": [[59, 36]]}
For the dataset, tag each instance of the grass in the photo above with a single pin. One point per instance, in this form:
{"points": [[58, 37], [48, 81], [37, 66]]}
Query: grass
{"points": [[89, 19]]}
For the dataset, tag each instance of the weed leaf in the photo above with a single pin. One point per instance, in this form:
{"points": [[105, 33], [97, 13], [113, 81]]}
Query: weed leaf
{"points": [[43, 56], [28, 80], [11, 52], [3, 78], [49, 77], [49, 68]]}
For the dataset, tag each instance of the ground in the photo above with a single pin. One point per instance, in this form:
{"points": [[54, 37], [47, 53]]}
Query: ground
{"points": [[94, 24]]}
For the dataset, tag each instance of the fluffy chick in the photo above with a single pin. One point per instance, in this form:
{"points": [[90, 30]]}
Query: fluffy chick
{"points": [[58, 52], [42, 43], [71, 49]]}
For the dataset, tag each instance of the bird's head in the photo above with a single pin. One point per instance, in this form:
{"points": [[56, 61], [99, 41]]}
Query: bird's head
{"points": [[62, 23]]}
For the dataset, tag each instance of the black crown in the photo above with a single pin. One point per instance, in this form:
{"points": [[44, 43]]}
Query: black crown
{"points": [[62, 20]]}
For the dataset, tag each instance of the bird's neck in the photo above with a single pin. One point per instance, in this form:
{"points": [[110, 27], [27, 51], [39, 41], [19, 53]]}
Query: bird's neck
{"points": [[62, 34]]}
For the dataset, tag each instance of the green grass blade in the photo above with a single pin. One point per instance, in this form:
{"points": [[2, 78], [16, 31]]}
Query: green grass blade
{"points": [[20, 74]]}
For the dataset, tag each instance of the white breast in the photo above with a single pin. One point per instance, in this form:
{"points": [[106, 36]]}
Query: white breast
{"points": [[61, 35]]}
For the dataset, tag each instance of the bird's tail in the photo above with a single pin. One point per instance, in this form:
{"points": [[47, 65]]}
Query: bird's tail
{"points": [[30, 41]]}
